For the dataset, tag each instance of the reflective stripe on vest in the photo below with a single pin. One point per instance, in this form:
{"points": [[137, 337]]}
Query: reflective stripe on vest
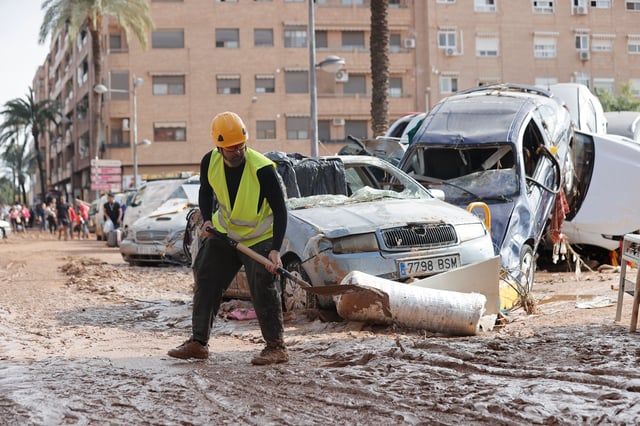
{"points": [[244, 222]]}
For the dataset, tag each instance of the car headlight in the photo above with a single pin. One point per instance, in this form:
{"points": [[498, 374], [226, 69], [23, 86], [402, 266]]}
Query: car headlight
{"points": [[470, 231], [356, 244]]}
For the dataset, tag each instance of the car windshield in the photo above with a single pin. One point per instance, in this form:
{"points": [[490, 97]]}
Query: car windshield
{"points": [[188, 191], [467, 174], [365, 182]]}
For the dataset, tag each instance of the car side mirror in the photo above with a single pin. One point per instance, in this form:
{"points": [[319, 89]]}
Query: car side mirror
{"points": [[437, 193]]}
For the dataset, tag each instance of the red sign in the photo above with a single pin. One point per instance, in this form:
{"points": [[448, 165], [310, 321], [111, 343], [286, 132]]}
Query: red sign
{"points": [[106, 179], [105, 170]]}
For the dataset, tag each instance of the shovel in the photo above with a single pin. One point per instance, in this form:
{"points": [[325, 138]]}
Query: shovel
{"points": [[325, 290]]}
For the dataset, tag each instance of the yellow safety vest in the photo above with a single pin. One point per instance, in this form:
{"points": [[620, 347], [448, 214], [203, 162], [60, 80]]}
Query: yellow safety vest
{"points": [[244, 222]]}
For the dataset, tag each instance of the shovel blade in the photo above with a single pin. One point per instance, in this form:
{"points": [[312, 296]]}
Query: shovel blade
{"points": [[334, 290]]}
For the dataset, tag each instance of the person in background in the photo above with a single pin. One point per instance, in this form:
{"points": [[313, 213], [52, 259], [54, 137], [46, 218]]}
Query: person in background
{"points": [[251, 210], [112, 211], [83, 215], [73, 221], [51, 216], [62, 213]]}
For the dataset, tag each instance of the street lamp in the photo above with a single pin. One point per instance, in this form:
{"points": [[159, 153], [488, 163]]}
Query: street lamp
{"points": [[330, 64], [137, 82]]}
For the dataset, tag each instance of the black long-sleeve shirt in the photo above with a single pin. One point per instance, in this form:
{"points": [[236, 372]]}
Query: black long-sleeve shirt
{"points": [[270, 190]]}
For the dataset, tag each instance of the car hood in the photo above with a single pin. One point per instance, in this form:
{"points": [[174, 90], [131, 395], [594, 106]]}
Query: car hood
{"points": [[347, 219], [171, 215]]}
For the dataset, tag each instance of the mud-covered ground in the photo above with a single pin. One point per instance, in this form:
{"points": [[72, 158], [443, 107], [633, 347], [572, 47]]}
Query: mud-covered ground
{"points": [[83, 340]]}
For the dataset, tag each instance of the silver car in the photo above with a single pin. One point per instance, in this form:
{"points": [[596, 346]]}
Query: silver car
{"points": [[157, 238], [361, 213]]}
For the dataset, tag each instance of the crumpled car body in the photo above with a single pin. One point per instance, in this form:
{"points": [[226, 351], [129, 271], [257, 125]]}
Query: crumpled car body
{"points": [[508, 146], [157, 238]]}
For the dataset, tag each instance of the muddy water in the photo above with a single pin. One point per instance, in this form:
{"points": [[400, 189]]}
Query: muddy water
{"points": [[88, 346]]}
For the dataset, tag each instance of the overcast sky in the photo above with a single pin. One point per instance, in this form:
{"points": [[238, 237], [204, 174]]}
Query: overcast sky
{"points": [[20, 53]]}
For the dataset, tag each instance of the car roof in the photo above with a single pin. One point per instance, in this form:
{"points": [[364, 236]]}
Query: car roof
{"points": [[463, 117]]}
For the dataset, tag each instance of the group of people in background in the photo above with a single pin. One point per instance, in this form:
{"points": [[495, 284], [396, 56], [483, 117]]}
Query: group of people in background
{"points": [[56, 216]]}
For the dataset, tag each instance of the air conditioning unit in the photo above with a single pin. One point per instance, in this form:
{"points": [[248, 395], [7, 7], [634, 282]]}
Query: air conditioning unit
{"points": [[449, 51], [338, 121], [580, 10], [409, 43], [585, 55], [342, 76]]}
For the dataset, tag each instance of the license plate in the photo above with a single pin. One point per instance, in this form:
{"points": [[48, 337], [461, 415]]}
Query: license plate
{"points": [[147, 249], [427, 265]]}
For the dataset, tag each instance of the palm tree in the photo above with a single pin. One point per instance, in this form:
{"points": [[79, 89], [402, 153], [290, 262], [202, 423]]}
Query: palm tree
{"points": [[132, 16], [30, 116], [20, 160], [379, 41]]}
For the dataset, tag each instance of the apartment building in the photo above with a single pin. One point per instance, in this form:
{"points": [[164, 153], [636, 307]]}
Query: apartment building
{"points": [[252, 57]]}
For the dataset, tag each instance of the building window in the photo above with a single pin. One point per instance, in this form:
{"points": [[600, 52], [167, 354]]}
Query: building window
{"points": [[83, 145], [170, 132], [82, 108], [357, 84], [263, 37], [357, 128], [265, 129], [607, 85], [601, 4], [487, 46], [295, 36], [228, 37], [447, 40], [118, 137], [541, 6], [583, 78], [228, 84], [602, 45], [484, 5], [297, 127], [265, 84], [544, 47], [353, 40], [115, 43], [634, 84], [446, 1], [322, 40], [83, 72], [324, 130], [168, 85], [632, 4], [395, 87], [167, 39], [296, 82], [633, 46], [120, 85], [582, 42], [448, 84], [545, 82], [395, 43]]}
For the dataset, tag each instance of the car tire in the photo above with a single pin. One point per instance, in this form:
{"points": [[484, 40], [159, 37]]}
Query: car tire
{"points": [[294, 297], [527, 268]]}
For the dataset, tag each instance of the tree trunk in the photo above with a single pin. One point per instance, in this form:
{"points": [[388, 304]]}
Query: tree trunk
{"points": [[379, 66], [96, 98], [36, 143]]}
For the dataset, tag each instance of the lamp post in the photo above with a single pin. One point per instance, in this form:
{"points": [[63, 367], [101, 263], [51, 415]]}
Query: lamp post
{"points": [[330, 64], [136, 82]]}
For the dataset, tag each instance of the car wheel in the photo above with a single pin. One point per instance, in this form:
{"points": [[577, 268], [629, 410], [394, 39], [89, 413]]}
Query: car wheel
{"points": [[294, 298], [527, 268]]}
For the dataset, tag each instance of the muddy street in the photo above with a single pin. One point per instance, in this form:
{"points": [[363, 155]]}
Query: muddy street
{"points": [[84, 336]]}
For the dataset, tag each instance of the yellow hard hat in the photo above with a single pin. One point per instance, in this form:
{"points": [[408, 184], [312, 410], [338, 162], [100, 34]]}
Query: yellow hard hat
{"points": [[228, 129]]}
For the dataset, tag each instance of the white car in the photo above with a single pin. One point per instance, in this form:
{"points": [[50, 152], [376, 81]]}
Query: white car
{"points": [[157, 237], [5, 229], [148, 198]]}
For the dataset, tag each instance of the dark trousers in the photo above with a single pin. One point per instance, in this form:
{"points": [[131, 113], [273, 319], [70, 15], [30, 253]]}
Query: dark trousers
{"points": [[215, 266]]}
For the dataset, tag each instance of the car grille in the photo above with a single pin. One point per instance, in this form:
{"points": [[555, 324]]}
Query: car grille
{"points": [[151, 235], [419, 235]]}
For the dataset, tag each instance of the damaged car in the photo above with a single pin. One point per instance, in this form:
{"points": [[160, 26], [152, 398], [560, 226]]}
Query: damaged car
{"points": [[508, 147], [157, 238]]}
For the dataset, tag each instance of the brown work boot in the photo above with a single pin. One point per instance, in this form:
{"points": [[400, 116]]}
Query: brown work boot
{"points": [[274, 353], [190, 349]]}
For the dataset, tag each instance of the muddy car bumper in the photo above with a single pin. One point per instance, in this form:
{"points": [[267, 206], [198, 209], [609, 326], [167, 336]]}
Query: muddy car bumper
{"points": [[328, 268], [154, 253]]}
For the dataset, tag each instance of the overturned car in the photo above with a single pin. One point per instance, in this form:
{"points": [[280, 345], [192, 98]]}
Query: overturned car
{"points": [[507, 146]]}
